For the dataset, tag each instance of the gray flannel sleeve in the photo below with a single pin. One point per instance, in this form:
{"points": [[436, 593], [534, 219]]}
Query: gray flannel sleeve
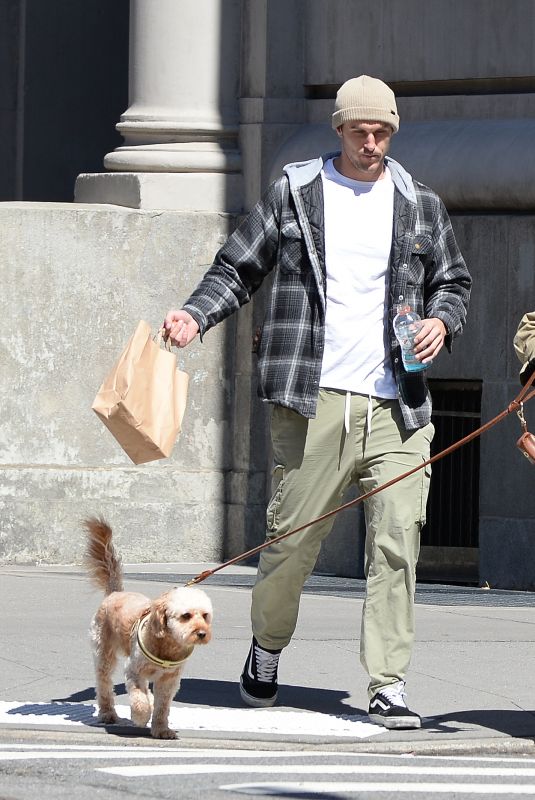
{"points": [[240, 266], [448, 282]]}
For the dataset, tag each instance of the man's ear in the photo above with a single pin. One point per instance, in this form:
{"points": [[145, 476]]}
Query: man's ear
{"points": [[339, 131]]}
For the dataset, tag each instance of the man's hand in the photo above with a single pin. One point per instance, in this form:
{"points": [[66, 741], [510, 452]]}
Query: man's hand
{"points": [[181, 327], [429, 340]]}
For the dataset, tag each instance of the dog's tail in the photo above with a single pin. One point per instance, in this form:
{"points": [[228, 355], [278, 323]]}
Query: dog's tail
{"points": [[101, 560]]}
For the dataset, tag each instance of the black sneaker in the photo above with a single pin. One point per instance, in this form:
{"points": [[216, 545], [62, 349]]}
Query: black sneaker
{"points": [[258, 682], [388, 708]]}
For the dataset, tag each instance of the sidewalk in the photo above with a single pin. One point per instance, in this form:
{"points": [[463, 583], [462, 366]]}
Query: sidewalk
{"points": [[474, 652]]}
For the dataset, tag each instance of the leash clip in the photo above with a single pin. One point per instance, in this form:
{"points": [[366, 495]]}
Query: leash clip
{"points": [[521, 417]]}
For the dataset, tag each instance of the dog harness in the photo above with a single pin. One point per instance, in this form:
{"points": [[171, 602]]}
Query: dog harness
{"points": [[164, 663]]}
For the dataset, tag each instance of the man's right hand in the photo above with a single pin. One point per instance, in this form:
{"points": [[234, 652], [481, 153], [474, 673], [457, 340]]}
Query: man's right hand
{"points": [[181, 327]]}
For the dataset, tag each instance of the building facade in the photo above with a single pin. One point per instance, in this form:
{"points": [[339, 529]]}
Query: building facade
{"points": [[211, 98]]}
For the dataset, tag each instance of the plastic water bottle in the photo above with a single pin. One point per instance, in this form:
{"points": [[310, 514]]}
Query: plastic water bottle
{"points": [[407, 323]]}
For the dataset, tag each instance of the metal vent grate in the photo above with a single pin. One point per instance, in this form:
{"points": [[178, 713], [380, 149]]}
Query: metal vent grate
{"points": [[453, 505]]}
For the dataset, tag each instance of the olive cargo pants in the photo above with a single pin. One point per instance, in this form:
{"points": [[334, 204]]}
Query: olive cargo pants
{"points": [[315, 461]]}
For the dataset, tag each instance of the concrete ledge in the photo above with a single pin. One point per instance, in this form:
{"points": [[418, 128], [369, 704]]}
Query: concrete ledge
{"points": [[168, 191]]}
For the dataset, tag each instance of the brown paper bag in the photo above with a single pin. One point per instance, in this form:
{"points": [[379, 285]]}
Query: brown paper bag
{"points": [[143, 399]]}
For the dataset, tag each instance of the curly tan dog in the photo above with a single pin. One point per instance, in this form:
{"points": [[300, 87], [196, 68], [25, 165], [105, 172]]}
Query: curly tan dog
{"points": [[157, 636]]}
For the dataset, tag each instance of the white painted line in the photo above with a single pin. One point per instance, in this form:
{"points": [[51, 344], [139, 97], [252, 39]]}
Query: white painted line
{"points": [[73, 751], [216, 752], [318, 769], [22, 752], [307, 788], [138, 754], [157, 750], [190, 718]]}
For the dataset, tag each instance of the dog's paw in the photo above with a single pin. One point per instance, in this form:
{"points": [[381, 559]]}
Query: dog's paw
{"points": [[140, 717], [108, 718], [163, 733]]}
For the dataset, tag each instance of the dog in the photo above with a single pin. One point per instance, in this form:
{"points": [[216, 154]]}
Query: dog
{"points": [[156, 636]]}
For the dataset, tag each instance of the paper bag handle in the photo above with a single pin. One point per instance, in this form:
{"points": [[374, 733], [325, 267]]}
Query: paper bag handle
{"points": [[159, 336]]}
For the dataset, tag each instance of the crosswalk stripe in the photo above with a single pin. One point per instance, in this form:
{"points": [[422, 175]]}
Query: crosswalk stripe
{"points": [[176, 752], [216, 752], [317, 769]]}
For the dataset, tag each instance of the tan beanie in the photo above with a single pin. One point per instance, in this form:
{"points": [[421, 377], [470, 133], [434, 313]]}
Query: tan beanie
{"points": [[365, 99]]}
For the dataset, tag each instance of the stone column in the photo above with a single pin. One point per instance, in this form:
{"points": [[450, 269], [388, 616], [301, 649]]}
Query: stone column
{"points": [[180, 131]]}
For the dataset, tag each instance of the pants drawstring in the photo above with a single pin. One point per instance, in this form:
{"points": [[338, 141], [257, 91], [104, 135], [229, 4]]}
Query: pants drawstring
{"points": [[347, 411], [369, 415]]}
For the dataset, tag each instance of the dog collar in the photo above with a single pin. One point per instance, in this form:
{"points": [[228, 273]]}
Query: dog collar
{"points": [[160, 662]]}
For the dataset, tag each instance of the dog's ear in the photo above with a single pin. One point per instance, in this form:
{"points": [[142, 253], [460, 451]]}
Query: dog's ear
{"points": [[159, 618]]}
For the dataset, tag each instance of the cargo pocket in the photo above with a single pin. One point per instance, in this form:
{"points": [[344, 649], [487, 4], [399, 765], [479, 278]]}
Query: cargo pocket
{"points": [[272, 513], [424, 494], [428, 432]]}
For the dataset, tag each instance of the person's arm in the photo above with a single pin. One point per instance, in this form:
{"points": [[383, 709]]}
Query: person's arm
{"points": [[524, 344], [239, 268]]}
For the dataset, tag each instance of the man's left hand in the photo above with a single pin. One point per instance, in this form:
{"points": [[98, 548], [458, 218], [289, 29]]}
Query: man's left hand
{"points": [[429, 340]]}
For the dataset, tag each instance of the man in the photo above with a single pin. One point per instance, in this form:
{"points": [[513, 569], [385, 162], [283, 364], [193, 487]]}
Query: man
{"points": [[524, 343], [349, 236]]}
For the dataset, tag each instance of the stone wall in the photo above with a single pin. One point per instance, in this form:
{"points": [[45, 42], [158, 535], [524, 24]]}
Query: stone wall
{"points": [[76, 279]]}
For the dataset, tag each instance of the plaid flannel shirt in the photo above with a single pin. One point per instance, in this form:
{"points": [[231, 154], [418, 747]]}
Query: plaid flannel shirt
{"points": [[284, 234]]}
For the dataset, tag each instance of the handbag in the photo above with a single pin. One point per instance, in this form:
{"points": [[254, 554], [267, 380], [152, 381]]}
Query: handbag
{"points": [[526, 442], [143, 399]]}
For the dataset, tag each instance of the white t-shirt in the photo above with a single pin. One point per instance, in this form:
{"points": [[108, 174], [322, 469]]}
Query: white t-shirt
{"points": [[358, 239]]}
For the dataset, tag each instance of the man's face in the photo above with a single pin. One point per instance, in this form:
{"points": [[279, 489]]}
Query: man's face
{"points": [[364, 146]]}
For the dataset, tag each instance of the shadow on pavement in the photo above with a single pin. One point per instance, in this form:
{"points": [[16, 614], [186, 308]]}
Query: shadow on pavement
{"points": [[196, 691], [511, 723], [226, 694]]}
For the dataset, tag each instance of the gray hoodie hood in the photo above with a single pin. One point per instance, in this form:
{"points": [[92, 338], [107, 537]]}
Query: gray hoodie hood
{"points": [[300, 173]]}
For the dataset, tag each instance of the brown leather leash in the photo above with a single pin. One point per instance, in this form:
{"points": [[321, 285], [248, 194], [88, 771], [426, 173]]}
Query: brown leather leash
{"points": [[515, 405]]}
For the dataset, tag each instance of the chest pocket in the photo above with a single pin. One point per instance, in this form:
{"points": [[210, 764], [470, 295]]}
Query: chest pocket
{"points": [[422, 250], [293, 256], [422, 245]]}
